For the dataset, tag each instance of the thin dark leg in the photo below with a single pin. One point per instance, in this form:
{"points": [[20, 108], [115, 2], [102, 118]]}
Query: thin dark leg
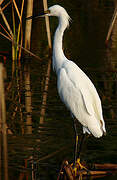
{"points": [[77, 156], [76, 142], [80, 146]]}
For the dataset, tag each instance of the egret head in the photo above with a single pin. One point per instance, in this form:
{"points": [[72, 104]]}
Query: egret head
{"points": [[56, 10], [60, 12]]}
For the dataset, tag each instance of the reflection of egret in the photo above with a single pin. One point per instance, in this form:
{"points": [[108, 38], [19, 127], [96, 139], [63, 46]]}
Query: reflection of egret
{"points": [[74, 87]]}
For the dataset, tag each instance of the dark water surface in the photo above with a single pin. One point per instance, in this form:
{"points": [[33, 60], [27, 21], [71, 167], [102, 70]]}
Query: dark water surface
{"points": [[84, 43]]}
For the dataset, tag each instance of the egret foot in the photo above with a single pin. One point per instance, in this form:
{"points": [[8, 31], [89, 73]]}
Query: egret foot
{"points": [[78, 163], [78, 167]]}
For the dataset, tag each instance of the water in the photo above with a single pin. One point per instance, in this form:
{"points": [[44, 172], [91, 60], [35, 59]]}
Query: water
{"points": [[84, 43]]}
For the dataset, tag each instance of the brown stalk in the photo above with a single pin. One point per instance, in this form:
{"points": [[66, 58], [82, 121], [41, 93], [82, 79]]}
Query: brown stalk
{"points": [[44, 96], [6, 31], [28, 95], [111, 24], [47, 24], [17, 9], [20, 29], [19, 63], [6, 5], [1, 2], [3, 120]]}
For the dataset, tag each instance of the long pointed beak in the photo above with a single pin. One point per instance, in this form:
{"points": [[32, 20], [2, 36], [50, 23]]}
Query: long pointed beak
{"points": [[37, 16], [111, 25]]}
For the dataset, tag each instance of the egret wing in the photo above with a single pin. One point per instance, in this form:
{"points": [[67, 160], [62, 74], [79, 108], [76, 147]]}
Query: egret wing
{"points": [[83, 84]]}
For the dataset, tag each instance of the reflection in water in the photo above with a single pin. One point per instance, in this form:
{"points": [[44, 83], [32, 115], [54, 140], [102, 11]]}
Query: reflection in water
{"points": [[3, 129], [30, 156]]}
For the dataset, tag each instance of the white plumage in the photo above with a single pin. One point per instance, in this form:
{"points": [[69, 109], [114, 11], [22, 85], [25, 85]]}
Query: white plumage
{"points": [[74, 87]]}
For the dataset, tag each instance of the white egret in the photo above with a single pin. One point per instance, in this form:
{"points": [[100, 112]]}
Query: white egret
{"points": [[74, 87]]}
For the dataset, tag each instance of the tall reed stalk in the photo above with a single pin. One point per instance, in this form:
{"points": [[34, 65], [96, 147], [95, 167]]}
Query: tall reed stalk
{"points": [[28, 96], [112, 23], [0, 144], [16, 57], [44, 96], [3, 121]]}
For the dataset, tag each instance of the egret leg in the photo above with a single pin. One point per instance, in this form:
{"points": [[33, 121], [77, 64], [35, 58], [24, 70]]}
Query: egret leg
{"points": [[80, 146], [76, 142], [76, 151], [78, 156]]}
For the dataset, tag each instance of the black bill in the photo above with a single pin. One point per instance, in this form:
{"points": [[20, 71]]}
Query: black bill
{"points": [[39, 15]]}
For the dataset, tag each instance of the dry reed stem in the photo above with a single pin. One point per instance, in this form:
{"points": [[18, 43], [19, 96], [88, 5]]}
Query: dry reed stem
{"points": [[28, 24], [17, 9], [47, 24], [44, 100], [0, 157], [22, 8], [6, 36], [20, 49], [6, 6], [3, 119], [20, 30], [6, 31], [20, 24], [28, 95], [112, 24], [14, 53], [1, 2]]}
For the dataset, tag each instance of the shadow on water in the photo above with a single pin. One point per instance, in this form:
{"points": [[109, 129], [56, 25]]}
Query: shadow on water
{"points": [[39, 155]]}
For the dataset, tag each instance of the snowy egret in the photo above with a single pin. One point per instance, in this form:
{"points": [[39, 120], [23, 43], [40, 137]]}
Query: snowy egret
{"points": [[74, 87]]}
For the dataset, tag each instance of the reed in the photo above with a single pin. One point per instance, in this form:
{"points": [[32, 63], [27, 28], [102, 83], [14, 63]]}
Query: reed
{"points": [[114, 17], [1, 2], [44, 96], [0, 145], [28, 95], [16, 59], [3, 121], [18, 37]]}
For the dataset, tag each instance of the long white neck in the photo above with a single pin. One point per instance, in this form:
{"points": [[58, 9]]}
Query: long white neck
{"points": [[58, 54]]}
